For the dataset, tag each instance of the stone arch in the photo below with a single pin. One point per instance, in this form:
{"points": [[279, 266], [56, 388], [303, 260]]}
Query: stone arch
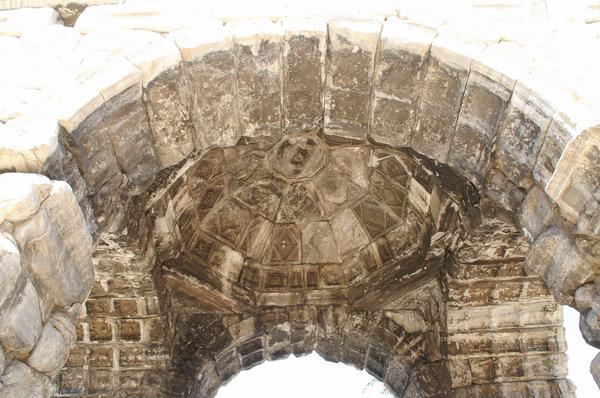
{"points": [[134, 120], [370, 341]]}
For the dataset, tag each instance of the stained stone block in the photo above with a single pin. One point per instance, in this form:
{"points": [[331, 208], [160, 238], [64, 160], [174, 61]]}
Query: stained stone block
{"points": [[212, 77], [24, 197], [482, 111], [555, 142], [318, 244], [22, 321], [126, 122], [441, 99], [398, 81], [536, 213], [348, 232], [352, 49], [595, 369], [57, 248], [585, 297], [519, 141], [16, 381], [303, 74], [97, 161], [258, 49], [167, 99], [563, 262], [50, 352], [10, 269], [575, 184]]}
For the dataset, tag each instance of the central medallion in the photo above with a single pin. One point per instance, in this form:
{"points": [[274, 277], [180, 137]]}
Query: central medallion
{"points": [[299, 157]]}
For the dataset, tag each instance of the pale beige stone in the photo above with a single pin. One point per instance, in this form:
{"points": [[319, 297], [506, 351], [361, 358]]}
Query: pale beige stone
{"points": [[27, 142], [10, 269], [22, 195], [22, 321], [50, 352]]}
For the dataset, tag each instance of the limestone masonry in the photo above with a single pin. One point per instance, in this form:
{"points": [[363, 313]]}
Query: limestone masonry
{"points": [[189, 190]]}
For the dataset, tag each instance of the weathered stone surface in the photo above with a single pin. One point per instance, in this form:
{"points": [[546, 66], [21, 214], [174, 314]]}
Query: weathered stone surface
{"points": [[127, 125], [318, 244], [555, 142], [537, 213], [398, 80], [481, 113], [50, 352], [441, 99], [351, 52], [212, 77], [519, 141], [10, 268], [563, 262], [16, 381], [22, 196], [304, 50], [233, 232], [57, 248], [21, 322], [258, 52], [2, 360], [168, 103], [595, 369]]}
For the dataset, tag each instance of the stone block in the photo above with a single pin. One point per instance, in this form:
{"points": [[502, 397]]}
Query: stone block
{"points": [[99, 381], [303, 73], [16, 381], [57, 248], [50, 352], [27, 143], [22, 321], [318, 244], [125, 307], [111, 76], [126, 123], [100, 357], [23, 195], [352, 49], [537, 212], [130, 357], [564, 262], [168, 103], [130, 330], [519, 141], [10, 269], [212, 76], [595, 369], [71, 381], [258, 49], [555, 142], [100, 330], [482, 111]]}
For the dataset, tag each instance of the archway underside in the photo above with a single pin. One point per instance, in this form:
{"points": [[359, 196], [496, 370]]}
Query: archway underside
{"points": [[375, 191], [374, 257]]}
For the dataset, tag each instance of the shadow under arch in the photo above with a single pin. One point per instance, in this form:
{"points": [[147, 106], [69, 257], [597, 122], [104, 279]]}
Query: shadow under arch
{"points": [[405, 362]]}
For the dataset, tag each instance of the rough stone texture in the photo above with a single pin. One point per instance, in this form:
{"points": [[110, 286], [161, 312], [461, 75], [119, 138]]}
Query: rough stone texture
{"points": [[45, 260], [271, 246], [595, 369], [173, 136], [352, 48], [401, 67]]}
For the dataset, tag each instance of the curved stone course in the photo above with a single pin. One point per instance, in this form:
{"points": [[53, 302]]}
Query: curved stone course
{"points": [[134, 95]]}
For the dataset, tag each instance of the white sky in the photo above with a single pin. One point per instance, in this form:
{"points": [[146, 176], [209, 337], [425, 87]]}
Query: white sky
{"points": [[322, 379], [580, 356]]}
